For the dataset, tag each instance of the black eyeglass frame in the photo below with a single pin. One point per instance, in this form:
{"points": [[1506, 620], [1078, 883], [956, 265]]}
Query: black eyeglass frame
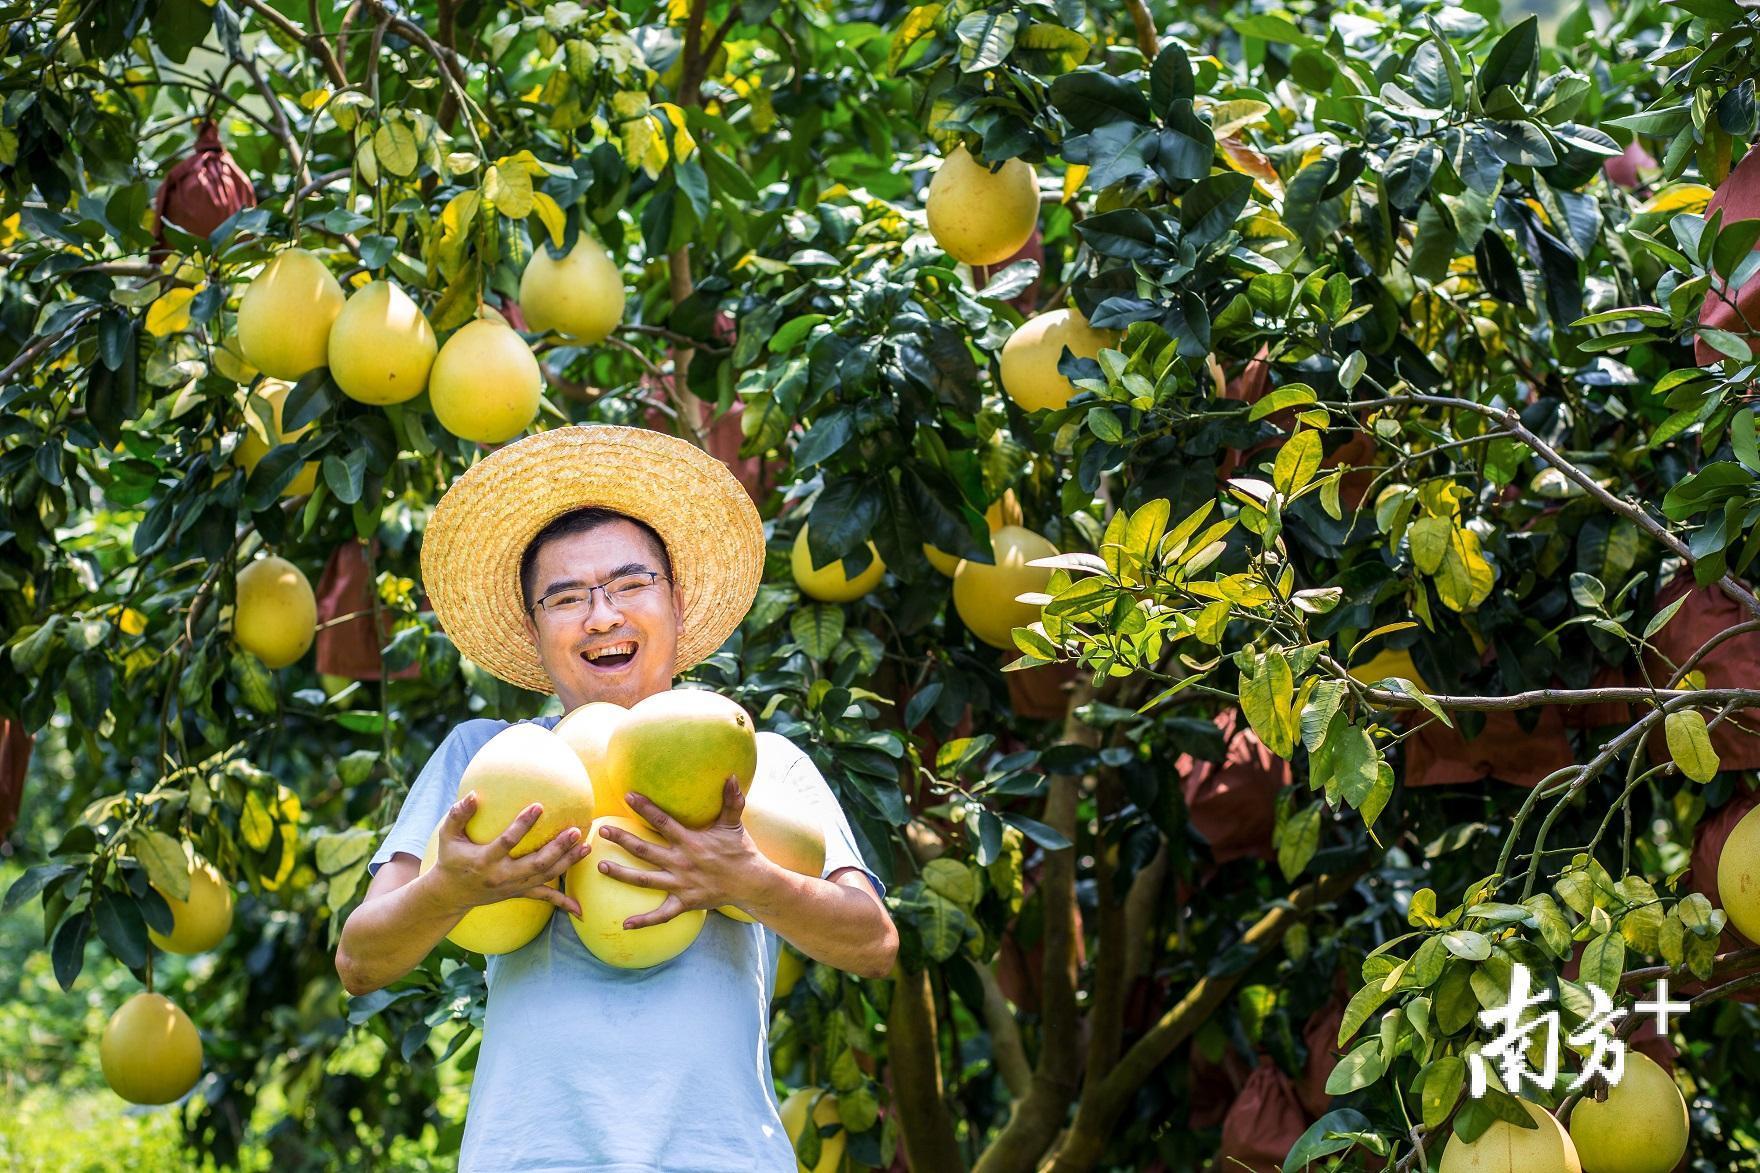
{"points": [[653, 576]]}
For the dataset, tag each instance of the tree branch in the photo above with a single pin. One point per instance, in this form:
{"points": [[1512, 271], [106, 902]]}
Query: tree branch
{"points": [[1107, 987], [1006, 1048], [1148, 40], [914, 1052], [314, 42]]}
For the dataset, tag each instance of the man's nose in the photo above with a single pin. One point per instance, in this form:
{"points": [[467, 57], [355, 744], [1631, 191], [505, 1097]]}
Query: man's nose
{"points": [[602, 614]]}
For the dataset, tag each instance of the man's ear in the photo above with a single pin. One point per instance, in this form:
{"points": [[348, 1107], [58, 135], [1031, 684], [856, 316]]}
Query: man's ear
{"points": [[525, 618]]}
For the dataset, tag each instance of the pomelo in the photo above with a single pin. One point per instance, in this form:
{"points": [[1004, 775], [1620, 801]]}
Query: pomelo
{"points": [[1506, 1148], [520, 765], [580, 296], [606, 903], [257, 442], [485, 383], [790, 968], [1640, 1128], [677, 748], [501, 927], [1031, 354], [285, 315], [1738, 876], [794, 1122], [830, 584], [201, 922], [150, 1051], [1005, 510], [381, 347], [981, 216], [587, 730], [984, 594], [789, 837], [276, 615]]}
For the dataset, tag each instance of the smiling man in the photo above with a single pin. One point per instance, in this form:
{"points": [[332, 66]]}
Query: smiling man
{"points": [[597, 563]]}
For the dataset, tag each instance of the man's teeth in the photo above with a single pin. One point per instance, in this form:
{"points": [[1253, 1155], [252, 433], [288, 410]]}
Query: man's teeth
{"points": [[612, 650]]}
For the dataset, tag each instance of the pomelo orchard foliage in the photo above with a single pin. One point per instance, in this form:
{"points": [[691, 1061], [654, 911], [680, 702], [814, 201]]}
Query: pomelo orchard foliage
{"points": [[1399, 368]]}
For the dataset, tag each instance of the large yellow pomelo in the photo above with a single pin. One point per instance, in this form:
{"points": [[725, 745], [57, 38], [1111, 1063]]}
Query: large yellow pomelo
{"points": [[1505, 1148], [381, 347], [587, 730], [830, 584], [790, 968], [606, 903], [1030, 357], [1738, 876], [1640, 1128], [276, 615], [979, 216], [984, 593], [257, 442], [150, 1051], [788, 836], [501, 927], [579, 297], [285, 315], [794, 1122], [677, 748], [1005, 510], [520, 765], [485, 383], [201, 922]]}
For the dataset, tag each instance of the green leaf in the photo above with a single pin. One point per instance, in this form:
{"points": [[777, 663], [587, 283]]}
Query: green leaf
{"points": [[396, 148], [1289, 395], [817, 627], [335, 852], [1512, 59], [1297, 462], [1689, 744], [1438, 1086], [988, 38], [1604, 961], [164, 858], [1297, 841], [1360, 1067]]}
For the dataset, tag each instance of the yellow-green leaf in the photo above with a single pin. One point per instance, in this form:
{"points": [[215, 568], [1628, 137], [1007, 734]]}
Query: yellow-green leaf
{"points": [[165, 860], [395, 145], [551, 214], [254, 821], [1297, 462], [509, 189], [1429, 537], [1689, 744], [169, 314], [1463, 581]]}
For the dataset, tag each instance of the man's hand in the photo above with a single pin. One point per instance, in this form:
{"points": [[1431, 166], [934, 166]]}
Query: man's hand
{"points": [[469, 874], [706, 868]]}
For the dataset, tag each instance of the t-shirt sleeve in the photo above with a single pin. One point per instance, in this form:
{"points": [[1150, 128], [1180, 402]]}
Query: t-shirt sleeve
{"points": [[435, 789], [840, 842]]}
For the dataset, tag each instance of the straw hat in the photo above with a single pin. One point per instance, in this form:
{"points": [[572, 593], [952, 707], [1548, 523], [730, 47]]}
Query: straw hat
{"points": [[482, 525]]}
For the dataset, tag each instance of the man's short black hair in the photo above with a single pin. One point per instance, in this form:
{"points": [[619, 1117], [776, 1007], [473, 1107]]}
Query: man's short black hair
{"points": [[580, 521]]}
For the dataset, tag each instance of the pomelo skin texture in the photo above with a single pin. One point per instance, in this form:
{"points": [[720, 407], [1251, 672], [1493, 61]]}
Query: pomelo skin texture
{"points": [[587, 730], [485, 383], [285, 315], [1030, 357], [677, 749], [579, 297], [201, 922], [501, 927], [253, 447], [1640, 1128], [606, 903], [276, 616], [1505, 1148], [381, 347], [979, 216], [830, 584], [521, 765], [1005, 510], [1738, 876], [150, 1052], [984, 593], [787, 837], [794, 1120]]}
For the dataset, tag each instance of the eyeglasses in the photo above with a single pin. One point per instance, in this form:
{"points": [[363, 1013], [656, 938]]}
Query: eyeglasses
{"points": [[622, 591]]}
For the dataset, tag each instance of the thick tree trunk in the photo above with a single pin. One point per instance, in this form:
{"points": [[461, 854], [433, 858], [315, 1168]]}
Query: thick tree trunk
{"points": [[914, 1052]]}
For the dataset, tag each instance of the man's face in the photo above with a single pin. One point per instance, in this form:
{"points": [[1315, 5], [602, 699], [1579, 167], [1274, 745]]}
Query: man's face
{"points": [[643, 631]]}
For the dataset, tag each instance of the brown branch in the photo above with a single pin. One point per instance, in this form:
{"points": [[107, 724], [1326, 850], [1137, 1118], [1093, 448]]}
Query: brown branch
{"points": [[447, 35], [314, 42], [24, 357], [1742, 698], [1140, 909], [1006, 1049], [914, 1052], [1148, 39], [1107, 988]]}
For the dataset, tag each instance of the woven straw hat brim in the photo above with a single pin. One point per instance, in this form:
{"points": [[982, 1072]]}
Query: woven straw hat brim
{"points": [[484, 521]]}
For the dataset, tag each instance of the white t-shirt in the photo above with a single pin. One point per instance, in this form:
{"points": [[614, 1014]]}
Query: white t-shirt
{"points": [[586, 1067]]}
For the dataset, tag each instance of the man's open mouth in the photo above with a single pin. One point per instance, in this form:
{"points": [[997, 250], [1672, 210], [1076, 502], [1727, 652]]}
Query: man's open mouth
{"points": [[610, 657]]}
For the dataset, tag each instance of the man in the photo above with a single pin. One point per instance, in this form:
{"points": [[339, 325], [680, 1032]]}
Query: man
{"points": [[597, 562]]}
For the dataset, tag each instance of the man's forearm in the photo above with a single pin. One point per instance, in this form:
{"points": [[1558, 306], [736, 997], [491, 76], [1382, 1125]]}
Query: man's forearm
{"points": [[834, 924], [389, 935]]}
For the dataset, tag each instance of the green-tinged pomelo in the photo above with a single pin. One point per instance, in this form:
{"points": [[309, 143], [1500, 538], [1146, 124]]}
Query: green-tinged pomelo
{"points": [[381, 347], [788, 836], [677, 748], [258, 441], [1506, 1148], [606, 903], [981, 216], [1738, 876], [485, 383], [501, 927], [794, 1122], [150, 1051], [276, 613], [830, 583], [985, 594], [580, 296], [587, 730], [1640, 1128], [520, 765], [285, 315], [1031, 354], [201, 922]]}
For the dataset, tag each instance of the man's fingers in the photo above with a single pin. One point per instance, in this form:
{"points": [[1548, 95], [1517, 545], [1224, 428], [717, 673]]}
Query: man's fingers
{"points": [[458, 814], [516, 830], [670, 908], [657, 818], [554, 896], [554, 858], [733, 802], [638, 877], [634, 844]]}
